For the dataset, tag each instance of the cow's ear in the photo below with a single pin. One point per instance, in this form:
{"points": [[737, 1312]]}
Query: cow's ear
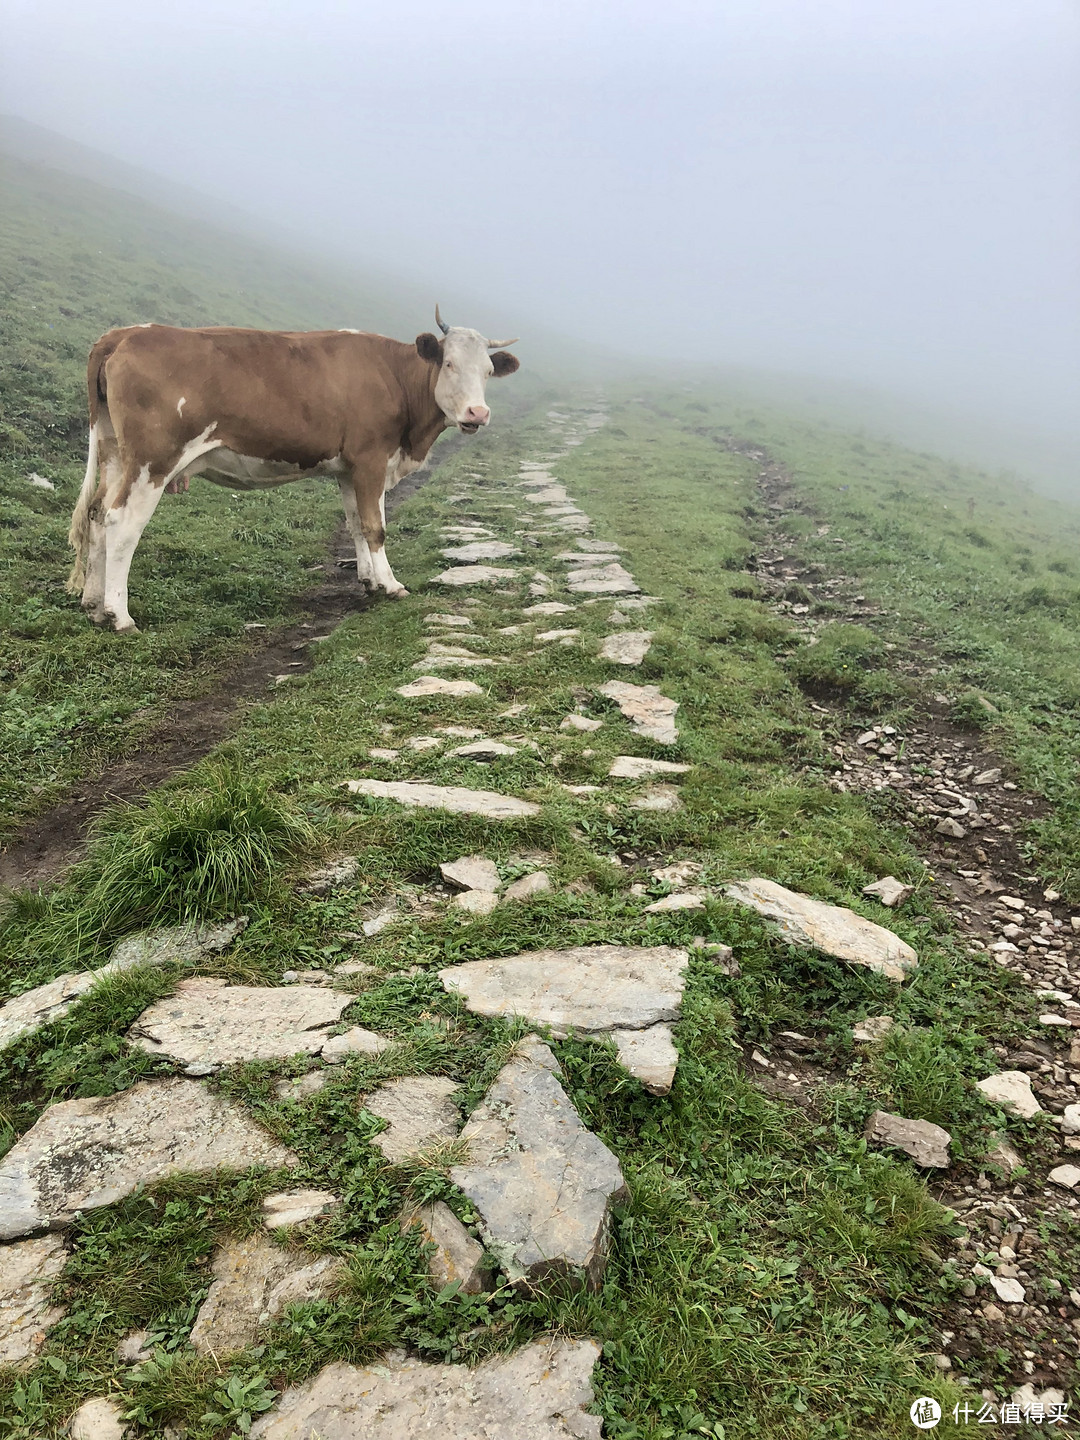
{"points": [[505, 363], [429, 348]]}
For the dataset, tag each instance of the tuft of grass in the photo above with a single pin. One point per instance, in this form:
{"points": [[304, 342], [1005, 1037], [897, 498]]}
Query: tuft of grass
{"points": [[840, 658]]}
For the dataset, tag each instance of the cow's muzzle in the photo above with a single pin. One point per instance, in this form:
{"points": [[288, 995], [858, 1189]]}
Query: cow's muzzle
{"points": [[474, 417]]}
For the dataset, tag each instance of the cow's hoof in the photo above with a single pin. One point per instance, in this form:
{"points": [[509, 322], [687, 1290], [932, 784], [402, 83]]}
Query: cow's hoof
{"points": [[129, 629], [399, 594], [96, 617]]}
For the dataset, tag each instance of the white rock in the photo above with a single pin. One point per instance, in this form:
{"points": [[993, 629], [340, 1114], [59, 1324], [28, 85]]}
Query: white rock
{"points": [[356, 1041], [254, 1282], [83, 1154], [628, 648], [378, 752], [832, 929], [484, 750], [674, 902], [471, 872], [28, 1271], [548, 635], [657, 797], [650, 713], [1067, 1176], [528, 886], [387, 915], [542, 1184], [436, 685], [635, 767], [649, 1055], [462, 732], [335, 874], [457, 1256], [680, 873], [1010, 1291], [987, 777], [1011, 1089], [549, 607], [450, 622], [548, 495], [452, 662], [1027, 1395], [580, 722], [208, 1023], [1070, 1120], [480, 550], [101, 1418], [926, 1143], [296, 1207], [454, 798], [872, 1029], [419, 1113], [301, 1086], [540, 1392], [475, 575], [40, 482], [476, 902], [602, 580], [133, 1348], [890, 891]]}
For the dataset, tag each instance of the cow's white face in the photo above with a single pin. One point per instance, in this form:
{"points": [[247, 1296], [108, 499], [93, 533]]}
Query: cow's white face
{"points": [[465, 367]]}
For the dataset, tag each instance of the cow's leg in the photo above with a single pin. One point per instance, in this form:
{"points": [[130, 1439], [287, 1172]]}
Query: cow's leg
{"points": [[369, 482], [110, 477], [364, 572], [125, 520]]}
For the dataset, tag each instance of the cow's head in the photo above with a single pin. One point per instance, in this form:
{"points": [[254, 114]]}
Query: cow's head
{"points": [[465, 362]]}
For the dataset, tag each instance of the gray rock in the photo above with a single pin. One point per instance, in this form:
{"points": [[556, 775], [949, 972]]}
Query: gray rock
{"points": [[133, 1349], [475, 575], [872, 1029], [528, 886], [356, 1041], [540, 1392], [436, 685], [598, 547], [542, 1183], [484, 750], [208, 1023], [1004, 1156], [674, 902], [830, 928], [476, 902], [649, 1055], [99, 1419], [1070, 1120], [418, 1112], [952, 828], [635, 767], [457, 1256], [1067, 1176], [628, 648], [333, 876], [301, 1086], [449, 622], [987, 777], [471, 872], [927, 1144], [480, 550], [1008, 1290], [1011, 1089], [28, 1271], [657, 797], [580, 722], [183, 944], [446, 797], [547, 636], [83, 1154], [602, 580], [890, 891], [254, 1281], [650, 713], [680, 873], [549, 607], [548, 495], [296, 1207]]}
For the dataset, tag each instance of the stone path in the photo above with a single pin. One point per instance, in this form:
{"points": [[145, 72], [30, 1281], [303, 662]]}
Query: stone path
{"points": [[537, 1185]]}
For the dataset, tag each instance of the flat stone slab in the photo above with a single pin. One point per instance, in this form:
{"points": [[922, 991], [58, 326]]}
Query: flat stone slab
{"points": [[528, 886], [181, 944], [542, 1183], [419, 1113], [484, 750], [27, 1314], [297, 1207], [452, 622], [475, 575], [83, 1154], [454, 798], [476, 902], [927, 1144], [356, 1041], [471, 872], [548, 607], [208, 1023], [571, 557], [540, 1392], [436, 685], [683, 901], [480, 550], [832, 929], [650, 713], [548, 495], [1011, 1089], [649, 1055], [457, 1257], [628, 648], [254, 1281], [657, 797], [602, 580], [636, 767], [452, 662]]}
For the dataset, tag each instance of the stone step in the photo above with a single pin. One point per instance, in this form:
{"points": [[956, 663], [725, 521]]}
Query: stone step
{"points": [[454, 798]]}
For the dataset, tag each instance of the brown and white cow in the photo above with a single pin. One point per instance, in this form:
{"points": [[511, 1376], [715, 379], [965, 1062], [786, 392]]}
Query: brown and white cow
{"points": [[251, 409]]}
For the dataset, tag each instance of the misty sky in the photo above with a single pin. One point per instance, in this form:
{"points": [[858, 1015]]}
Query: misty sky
{"points": [[881, 189]]}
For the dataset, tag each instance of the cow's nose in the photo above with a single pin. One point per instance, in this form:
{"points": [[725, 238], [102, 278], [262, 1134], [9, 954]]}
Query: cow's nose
{"points": [[477, 415]]}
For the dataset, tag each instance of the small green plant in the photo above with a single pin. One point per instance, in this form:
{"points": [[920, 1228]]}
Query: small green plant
{"points": [[973, 711], [239, 1401], [840, 659]]}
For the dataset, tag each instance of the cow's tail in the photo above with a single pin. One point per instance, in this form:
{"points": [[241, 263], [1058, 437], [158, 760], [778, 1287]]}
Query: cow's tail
{"points": [[79, 534]]}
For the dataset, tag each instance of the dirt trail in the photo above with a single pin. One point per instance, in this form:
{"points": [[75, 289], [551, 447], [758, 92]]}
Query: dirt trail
{"points": [[190, 729]]}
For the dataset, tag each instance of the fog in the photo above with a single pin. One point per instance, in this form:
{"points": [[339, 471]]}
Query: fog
{"points": [[878, 190]]}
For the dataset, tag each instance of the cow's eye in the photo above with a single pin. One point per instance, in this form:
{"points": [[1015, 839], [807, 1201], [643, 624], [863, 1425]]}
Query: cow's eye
{"points": [[449, 365]]}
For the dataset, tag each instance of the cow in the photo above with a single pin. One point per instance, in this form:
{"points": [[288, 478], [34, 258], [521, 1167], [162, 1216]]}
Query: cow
{"points": [[251, 409]]}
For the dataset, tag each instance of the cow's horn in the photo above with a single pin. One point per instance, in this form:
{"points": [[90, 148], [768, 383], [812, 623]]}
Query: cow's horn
{"points": [[439, 322], [498, 344]]}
